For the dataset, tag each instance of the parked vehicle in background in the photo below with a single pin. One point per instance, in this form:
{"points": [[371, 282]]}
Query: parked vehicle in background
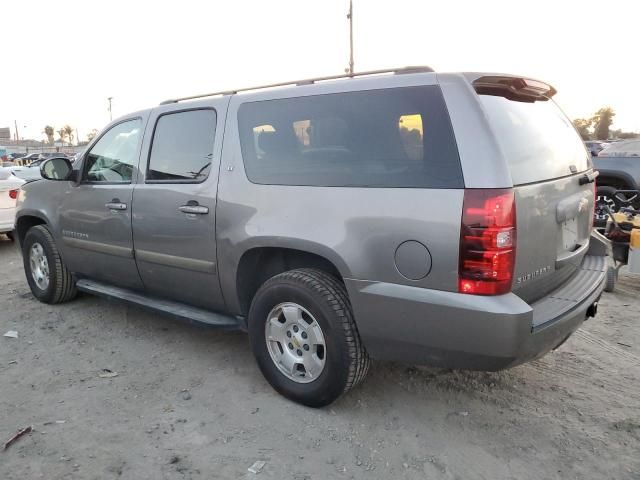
{"points": [[396, 216], [619, 179], [32, 157], [28, 172], [626, 148], [595, 146], [9, 187], [45, 155], [15, 155], [7, 164]]}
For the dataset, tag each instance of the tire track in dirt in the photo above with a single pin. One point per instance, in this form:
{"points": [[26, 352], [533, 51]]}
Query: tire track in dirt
{"points": [[592, 339]]}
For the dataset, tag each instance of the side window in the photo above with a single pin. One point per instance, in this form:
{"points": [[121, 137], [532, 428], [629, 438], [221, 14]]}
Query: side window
{"points": [[399, 137], [182, 148], [113, 158]]}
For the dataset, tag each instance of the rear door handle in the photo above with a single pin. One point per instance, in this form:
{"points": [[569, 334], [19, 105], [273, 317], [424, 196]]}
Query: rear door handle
{"points": [[194, 209], [115, 204]]}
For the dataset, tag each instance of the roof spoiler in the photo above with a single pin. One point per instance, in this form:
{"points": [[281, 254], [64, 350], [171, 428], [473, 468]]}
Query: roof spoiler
{"points": [[514, 88]]}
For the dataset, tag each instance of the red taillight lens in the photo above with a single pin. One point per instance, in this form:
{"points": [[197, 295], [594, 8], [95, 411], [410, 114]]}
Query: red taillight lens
{"points": [[487, 242], [13, 194]]}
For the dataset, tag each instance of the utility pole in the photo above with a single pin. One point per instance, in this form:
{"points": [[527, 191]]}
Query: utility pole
{"points": [[15, 122], [350, 17], [110, 113]]}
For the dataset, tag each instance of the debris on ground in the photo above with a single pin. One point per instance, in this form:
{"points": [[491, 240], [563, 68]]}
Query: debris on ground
{"points": [[257, 467], [106, 373], [13, 362], [11, 334], [186, 395], [17, 435], [59, 422]]}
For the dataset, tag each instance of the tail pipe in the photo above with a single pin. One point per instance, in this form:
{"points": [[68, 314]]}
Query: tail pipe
{"points": [[592, 311]]}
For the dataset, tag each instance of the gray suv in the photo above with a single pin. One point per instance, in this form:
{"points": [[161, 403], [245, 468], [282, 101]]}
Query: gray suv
{"points": [[406, 215]]}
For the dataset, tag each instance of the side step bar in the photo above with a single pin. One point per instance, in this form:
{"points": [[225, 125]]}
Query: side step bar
{"points": [[167, 307]]}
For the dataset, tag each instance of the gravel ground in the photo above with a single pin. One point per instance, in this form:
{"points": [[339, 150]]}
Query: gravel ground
{"points": [[191, 403]]}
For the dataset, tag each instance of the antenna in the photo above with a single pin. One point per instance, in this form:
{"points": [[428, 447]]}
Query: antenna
{"points": [[350, 17]]}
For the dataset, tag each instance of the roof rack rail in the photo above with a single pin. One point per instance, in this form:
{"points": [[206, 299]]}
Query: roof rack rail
{"points": [[308, 81]]}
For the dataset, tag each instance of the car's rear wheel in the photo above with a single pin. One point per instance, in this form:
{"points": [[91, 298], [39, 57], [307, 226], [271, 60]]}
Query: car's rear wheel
{"points": [[304, 337], [48, 277]]}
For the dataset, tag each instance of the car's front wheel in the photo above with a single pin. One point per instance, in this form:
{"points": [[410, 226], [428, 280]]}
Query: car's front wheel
{"points": [[304, 337], [48, 277]]}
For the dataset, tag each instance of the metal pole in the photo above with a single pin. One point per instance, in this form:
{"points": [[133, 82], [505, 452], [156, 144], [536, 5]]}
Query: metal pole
{"points": [[350, 17], [110, 113], [15, 122]]}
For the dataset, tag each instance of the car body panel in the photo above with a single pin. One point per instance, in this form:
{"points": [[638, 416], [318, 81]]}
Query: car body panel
{"points": [[358, 230], [171, 247], [96, 241]]}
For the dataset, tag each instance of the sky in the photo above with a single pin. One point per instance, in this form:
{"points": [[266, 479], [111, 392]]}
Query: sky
{"points": [[62, 60]]}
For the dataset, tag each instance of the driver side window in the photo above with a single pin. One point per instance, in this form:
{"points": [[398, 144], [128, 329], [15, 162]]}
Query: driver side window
{"points": [[113, 157]]}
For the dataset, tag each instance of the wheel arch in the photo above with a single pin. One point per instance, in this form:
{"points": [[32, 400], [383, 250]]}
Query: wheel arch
{"points": [[27, 221], [617, 179], [259, 263]]}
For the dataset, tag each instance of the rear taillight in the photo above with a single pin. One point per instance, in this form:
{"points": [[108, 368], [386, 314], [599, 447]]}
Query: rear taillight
{"points": [[13, 194], [487, 242]]}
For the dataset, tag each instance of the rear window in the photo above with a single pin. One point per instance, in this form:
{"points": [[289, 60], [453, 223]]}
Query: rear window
{"points": [[378, 138], [538, 140]]}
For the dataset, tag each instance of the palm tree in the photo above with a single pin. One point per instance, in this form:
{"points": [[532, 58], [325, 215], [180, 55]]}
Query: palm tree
{"points": [[92, 134], [48, 131], [68, 130], [62, 133]]}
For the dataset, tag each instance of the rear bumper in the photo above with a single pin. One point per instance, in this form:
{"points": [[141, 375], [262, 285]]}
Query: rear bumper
{"points": [[7, 219], [452, 330]]}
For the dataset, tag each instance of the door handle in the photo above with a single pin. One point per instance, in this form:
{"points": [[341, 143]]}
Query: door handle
{"points": [[194, 208], [116, 204]]}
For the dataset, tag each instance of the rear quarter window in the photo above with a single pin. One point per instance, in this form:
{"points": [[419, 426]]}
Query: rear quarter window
{"points": [[537, 139], [398, 137]]}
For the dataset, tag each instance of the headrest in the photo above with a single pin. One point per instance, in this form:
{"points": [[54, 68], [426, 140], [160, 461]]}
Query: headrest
{"points": [[276, 142]]}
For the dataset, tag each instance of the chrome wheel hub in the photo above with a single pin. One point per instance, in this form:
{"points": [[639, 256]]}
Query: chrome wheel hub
{"points": [[295, 342], [600, 211], [39, 266]]}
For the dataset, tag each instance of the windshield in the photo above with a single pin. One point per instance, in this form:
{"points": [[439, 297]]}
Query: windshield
{"points": [[538, 140]]}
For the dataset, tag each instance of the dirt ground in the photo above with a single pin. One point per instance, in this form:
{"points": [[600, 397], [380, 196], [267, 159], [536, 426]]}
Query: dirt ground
{"points": [[190, 403]]}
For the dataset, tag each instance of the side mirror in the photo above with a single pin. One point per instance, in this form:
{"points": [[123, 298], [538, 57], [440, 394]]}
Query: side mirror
{"points": [[57, 168]]}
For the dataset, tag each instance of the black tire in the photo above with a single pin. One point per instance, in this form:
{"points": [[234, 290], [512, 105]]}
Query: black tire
{"points": [[612, 279], [61, 287], [325, 298]]}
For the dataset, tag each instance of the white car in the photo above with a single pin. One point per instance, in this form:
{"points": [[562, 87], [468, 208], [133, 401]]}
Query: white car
{"points": [[27, 172], [9, 187]]}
